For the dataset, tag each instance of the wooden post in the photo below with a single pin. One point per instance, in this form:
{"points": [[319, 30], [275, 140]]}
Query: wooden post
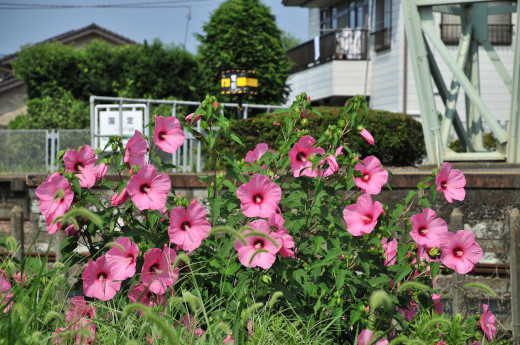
{"points": [[514, 228], [456, 223], [17, 229]]}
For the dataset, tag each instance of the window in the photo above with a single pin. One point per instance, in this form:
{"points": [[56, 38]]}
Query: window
{"points": [[382, 32], [344, 14], [500, 28]]}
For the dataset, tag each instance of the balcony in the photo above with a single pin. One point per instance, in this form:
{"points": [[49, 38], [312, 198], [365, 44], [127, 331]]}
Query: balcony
{"points": [[498, 34], [344, 44]]}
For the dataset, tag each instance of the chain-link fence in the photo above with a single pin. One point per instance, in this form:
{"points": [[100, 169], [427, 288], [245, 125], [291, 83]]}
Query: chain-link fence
{"points": [[23, 151], [34, 151]]}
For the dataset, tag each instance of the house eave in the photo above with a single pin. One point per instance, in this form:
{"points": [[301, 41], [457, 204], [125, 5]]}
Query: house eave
{"points": [[309, 3]]}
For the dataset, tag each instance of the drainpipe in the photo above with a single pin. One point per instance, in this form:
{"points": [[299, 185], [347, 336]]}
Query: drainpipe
{"points": [[405, 72]]}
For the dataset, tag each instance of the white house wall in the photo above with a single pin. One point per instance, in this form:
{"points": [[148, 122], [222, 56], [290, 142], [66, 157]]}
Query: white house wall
{"points": [[314, 22], [387, 68], [334, 78]]}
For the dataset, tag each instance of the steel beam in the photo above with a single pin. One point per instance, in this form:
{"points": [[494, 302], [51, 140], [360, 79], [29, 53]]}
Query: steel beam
{"points": [[416, 44], [429, 30], [513, 147], [453, 92], [444, 93]]}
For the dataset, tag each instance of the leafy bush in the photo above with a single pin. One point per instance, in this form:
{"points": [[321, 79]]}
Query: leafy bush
{"points": [[293, 251], [490, 143], [55, 109], [148, 70], [400, 139]]}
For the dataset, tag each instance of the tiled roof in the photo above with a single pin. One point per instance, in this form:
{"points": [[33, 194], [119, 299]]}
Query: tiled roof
{"points": [[71, 36]]}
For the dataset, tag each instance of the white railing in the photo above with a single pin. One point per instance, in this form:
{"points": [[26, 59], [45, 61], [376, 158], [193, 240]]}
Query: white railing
{"points": [[188, 157]]}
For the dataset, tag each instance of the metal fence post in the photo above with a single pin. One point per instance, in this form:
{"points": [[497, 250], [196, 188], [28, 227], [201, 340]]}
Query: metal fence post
{"points": [[514, 254], [456, 223], [17, 229]]}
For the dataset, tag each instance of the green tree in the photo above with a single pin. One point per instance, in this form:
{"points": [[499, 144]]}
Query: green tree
{"points": [[243, 33], [148, 70], [289, 40]]}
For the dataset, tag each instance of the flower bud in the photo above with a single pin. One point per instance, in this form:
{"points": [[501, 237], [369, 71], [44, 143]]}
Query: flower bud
{"points": [[434, 252]]}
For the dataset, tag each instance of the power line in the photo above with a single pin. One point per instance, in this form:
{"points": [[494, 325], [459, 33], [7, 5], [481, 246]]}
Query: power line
{"points": [[151, 4]]}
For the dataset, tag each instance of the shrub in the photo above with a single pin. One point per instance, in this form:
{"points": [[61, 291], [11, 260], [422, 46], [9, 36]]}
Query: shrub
{"points": [[55, 109], [400, 139]]}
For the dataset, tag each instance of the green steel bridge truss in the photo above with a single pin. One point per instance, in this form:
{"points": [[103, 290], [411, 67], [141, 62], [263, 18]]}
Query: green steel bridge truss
{"points": [[420, 29]]}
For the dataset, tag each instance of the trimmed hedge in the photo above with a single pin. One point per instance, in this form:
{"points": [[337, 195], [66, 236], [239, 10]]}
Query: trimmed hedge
{"points": [[399, 138]]}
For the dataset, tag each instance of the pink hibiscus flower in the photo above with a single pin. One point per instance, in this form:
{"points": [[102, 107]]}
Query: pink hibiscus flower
{"points": [[451, 182], [158, 273], [254, 243], [6, 297], [147, 189], [141, 294], [460, 251], [81, 309], [259, 197], [367, 136], [390, 249], [188, 227], [19, 279], [122, 262], [426, 229], [277, 221], [189, 322], [299, 156], [71, 231], [55, 196], [78, 318], [361, 218], [487, 323], [98, 280], [119, 199], [410, 310], [168, 134], [254, 155], [102, 169], [135, 149], [437, 303], [332, 163], [82, 162], [52, 228], [190, 120], [374, 176], [365, 338]]}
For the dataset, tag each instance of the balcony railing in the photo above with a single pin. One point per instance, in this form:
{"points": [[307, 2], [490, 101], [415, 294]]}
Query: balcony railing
{"points": [[498, 34], [345, 44]]}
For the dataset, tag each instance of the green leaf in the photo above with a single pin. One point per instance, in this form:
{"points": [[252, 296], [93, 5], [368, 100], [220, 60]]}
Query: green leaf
{"points": [[230, 185], [402, 273], [410, 195], [424, 202], [236, 139]]}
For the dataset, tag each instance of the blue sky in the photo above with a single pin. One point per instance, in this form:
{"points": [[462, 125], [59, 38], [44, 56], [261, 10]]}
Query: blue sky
{"points": [[21, 27]]}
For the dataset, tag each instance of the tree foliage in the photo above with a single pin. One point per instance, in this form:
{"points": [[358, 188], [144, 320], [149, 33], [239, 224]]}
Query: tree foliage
{"points": [[243, 33], [148, 70]]}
